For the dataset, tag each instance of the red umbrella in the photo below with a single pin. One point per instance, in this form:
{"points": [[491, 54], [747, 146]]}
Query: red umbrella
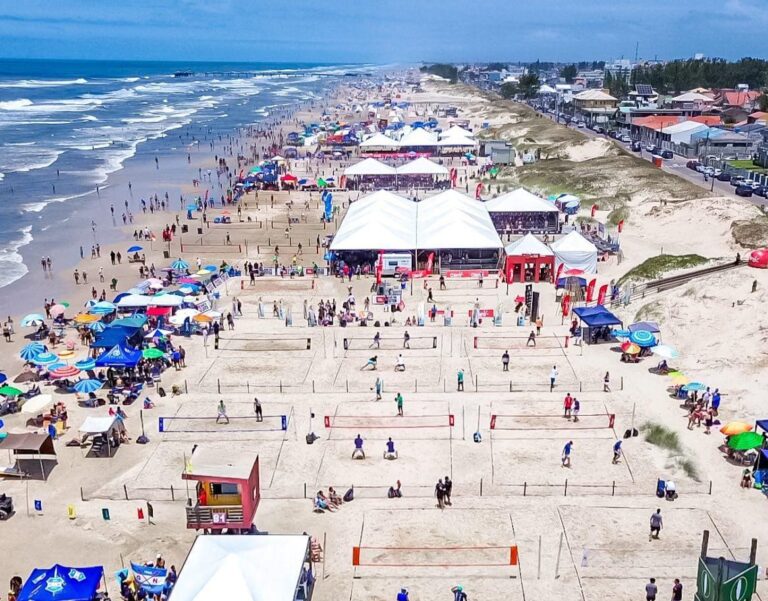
{"points": [[519, 299], [289, 177], [68, 371], [158, 311], [573, 272]]}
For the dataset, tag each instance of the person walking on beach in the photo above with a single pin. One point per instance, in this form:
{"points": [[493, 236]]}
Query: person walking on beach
{"points": [[460, 380], [616, 452], [567, 406], [553, 378], [378, 387], [505, 361], [440, 494], [448, 485], [221, 412], [539, 325], [575, 410], [607, 382], [677, 590], [77, 276], [85, 278], [101, 274], [656, 525], [257, 409], [651, 590], [376, 340], [565, 459], [406, 340], [399, 401]]}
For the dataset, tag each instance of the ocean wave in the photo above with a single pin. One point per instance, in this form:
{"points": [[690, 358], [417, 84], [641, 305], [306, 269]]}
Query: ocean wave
{"points": [[36, 207], [73, 105], [89, 118], [43, 83], [12, 265], [22, 159], [14, 105]]}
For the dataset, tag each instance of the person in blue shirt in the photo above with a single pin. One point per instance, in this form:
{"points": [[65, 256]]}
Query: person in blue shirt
{"points": [[616, 452], [566, 458], [358, 453], [390, 453], [716, 401], [402, 595]]}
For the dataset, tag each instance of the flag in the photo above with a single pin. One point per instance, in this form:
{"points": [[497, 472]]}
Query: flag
{"points": [[566, 303], [150, 578], [591, 289], [601, 294], [559, 271], [621, 226]]}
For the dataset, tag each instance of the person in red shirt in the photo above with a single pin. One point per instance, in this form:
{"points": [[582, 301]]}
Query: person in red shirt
{"points": [[567, 405]]}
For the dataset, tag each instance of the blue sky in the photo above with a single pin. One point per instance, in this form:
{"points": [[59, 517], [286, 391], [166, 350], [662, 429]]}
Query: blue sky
{"points": [[381, 31]]}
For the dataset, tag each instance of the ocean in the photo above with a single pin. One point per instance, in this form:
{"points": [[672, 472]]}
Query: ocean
{"points": [[67, 127]]}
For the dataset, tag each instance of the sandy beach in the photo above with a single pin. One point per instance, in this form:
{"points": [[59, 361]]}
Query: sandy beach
{"points": [[581, 532]]}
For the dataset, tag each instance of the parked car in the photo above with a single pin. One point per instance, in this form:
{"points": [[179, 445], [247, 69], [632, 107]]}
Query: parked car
{"points": [[598, 130], [755, 184], [650, 147], [737, 180], [760, 191], [701, 168], [625, 138], [667, 154], [724, 176], [636, 146], [744, 190], [581, 124], [692, 164]]}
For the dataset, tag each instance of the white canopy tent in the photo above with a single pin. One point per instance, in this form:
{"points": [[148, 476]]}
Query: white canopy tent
{"points": [[452, 220], [243, 568], [418, 138], [379, 140], [381, 220], [520, 201], [457, 141], [457, 132], [422, 166], [369, 167], [574, 251], [529, 245], [140, 300]]}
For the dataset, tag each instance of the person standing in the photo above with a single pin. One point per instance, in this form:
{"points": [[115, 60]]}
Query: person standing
{"points": [[616, 452], [607, 382], [552, 378], [406, 340], [460, 381], [651, 590], [402, 595], [440, 494], [567, 406], [576, 409], [677, 590], [505, 361], [566, 457], [399, 401], [257, 409], [531, 339], [378, 387], [448, 485], [222, 412], [656, 525], [539, 325]]}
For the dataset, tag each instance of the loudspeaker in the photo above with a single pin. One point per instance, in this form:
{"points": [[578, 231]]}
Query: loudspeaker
{"points": [[534, 306]]}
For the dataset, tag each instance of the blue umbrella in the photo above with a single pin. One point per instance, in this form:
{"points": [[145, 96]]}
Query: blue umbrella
{"points": [[44, 358], [86, 386], [102, 308], [56, 365], [3, 378], [179, 265], [621, 333], [85, 364], [33, 319], [211, 268], [191, 207], [31, 351], [643, 338], [97, 327], [135, 249], [694, 386]]}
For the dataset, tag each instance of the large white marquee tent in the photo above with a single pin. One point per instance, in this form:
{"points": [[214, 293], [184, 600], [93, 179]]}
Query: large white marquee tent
{"points": [[520, 201], [574, 251]]}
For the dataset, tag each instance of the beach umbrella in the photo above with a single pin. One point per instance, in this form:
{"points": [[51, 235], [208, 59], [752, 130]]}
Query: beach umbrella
{"points": [[86, 364], [188, 280], [3, 378], [643, 338], [202, 318], [191, 207], [26, 376], [694, 386], [156, 286], [57, 309], [214, 314], [158, 333], [179, 265], [56, 365], [86, 386], [31, 351], [203, 271], [745, 441], [45, 358], [97, 327], [734, 428], [665, 351], [66, 371], [152, 353], [680, 379], [37, 403], [86, 317], [135, 249], [103, 308], [619, 333], [32, 320], [184, 313], [630, 348], [9, 391], [210, 268]]}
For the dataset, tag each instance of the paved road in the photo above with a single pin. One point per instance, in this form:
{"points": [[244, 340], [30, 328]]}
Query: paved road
{"points": [[676, 166]]}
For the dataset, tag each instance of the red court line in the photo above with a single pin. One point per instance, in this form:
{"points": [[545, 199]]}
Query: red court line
{"points": [[474, 548], [434, 565]]}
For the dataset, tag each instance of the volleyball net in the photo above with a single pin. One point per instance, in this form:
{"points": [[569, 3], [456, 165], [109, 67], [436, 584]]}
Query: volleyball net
{"points": [[265, 344], [230, 424], [392, 343], [476, 556], [549, 421], [413, 426], [502, 343]]}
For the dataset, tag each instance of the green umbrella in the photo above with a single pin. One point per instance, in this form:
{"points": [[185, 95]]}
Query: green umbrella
{"points": [[741, 442], [9, 391], [151, 353]]}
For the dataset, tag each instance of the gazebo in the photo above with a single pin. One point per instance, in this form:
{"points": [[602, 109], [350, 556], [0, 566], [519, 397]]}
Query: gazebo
{"points": [[520, 212], [529, 260]]}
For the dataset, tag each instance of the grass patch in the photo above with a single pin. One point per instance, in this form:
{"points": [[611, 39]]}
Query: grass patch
{"points": [[657, 266], [690, 469], [650, 312], [661, 436], [750, 233], [617, 215]]}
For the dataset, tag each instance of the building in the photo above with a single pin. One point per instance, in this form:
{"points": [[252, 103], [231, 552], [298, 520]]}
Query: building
{"points": [[692, 101], [594, 106], [741, 97], [644, 95], [619, 68], [724, 144]]}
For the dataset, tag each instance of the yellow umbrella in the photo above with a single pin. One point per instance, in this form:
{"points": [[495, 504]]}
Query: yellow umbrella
{"points": [[679, 378], [203, 272], [86, 318], [201, 317], [66, 354], [733, 428]]}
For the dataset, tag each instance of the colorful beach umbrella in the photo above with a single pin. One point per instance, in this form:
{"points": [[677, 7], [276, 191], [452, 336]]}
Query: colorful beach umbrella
{"points": [[679, 379], [202, 318], [735, 427], [97, 327], [630, 348], [135, 249], [694, 386], [57, 309], [665, 351], [32, 320], [643, 338], [179, 265], [157, 333], [67, 371], [152, 353], [9, 391], [86, 386], [86, 364], [103, 308], [32, 350], [745, 441], [86, 318], [45, 358], [621, 333]]}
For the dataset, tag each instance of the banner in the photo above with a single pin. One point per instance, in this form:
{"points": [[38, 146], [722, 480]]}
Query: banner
{"points": [[150, 578], [601, 294], [621, 226], [591, 289], [559, 271], [566, 303]]}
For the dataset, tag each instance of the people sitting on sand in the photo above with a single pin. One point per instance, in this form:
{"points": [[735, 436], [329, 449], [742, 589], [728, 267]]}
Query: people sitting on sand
{"points": [[321, 502], [662, 368], [334, 497], [358, 453], [390, 452], [394, 492]]}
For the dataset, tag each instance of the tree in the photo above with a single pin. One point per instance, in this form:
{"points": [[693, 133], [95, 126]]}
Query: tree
{"points": [[509, 90], [529, 85], [449, 72], [569, 73], [763, 102]]}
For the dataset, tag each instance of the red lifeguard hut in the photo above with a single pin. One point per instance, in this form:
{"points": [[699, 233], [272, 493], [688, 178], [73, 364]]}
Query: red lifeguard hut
{"points": [[227, 492]]}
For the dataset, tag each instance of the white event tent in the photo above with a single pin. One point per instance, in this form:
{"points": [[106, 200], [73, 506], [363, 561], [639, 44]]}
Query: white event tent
{"points": [[243, 568], [574, 251], [418, 138], [457, 141], [369, 167], [381, 220], [452, 220], [422, 166], [520, 201], [379, 140], [528, 245], [457, 132]]}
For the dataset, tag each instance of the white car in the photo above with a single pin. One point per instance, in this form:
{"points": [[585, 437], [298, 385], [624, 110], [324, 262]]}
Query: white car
{"points": [[625, 138], [701, 168], [581, 124]]}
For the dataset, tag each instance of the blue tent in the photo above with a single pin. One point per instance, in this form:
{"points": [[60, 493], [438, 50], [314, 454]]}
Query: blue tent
{"points": [[119, 355], [113, 335], [134, 321], [61, 583], [597, 316]]}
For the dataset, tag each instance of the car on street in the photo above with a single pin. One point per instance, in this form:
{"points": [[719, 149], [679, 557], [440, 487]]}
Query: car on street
{"points": [[650, 148], [692, 165], [744, 190], [724, 177], [581, 124], [737, 180], [625, 138], [636, 146], [760, 191], [667, 154]]}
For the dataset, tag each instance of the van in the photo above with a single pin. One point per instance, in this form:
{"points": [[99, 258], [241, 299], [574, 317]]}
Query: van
{"points": [[393, 263]]}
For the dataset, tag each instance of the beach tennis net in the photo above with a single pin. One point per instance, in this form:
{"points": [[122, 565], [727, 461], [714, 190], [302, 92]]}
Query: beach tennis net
{"points": [[416, 427], [550, 421], [232, 424]]}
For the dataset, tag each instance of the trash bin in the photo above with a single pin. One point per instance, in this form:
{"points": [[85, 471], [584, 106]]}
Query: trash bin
{"points": [[166, 254], [184, 228], [200, 231]]}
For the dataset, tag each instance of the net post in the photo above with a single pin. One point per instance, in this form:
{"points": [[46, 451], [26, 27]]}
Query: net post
{"points": [[327, 421], [284, 423], [611, 420], [160, 424], [475, 342], [218, 385], [186, 390], [475, 382], [525, 489], [281, 387], [355, 556], [565, 489], [434, 341], [513, 555], [493, 422], [415, 385]]}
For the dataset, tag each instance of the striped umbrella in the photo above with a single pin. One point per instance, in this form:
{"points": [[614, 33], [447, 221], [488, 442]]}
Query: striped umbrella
{"points": [[86, 364], [103, 308], [45, 358], [68, 371], [32, 320], [32, 350], [695, 386], [621, 333], [86, 386], [665, 351], [97, 327], [179, 265], [643, 338]]}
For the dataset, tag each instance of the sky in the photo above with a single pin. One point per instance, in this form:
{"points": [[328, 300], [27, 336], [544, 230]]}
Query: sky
{"points": [[381, 31]]}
